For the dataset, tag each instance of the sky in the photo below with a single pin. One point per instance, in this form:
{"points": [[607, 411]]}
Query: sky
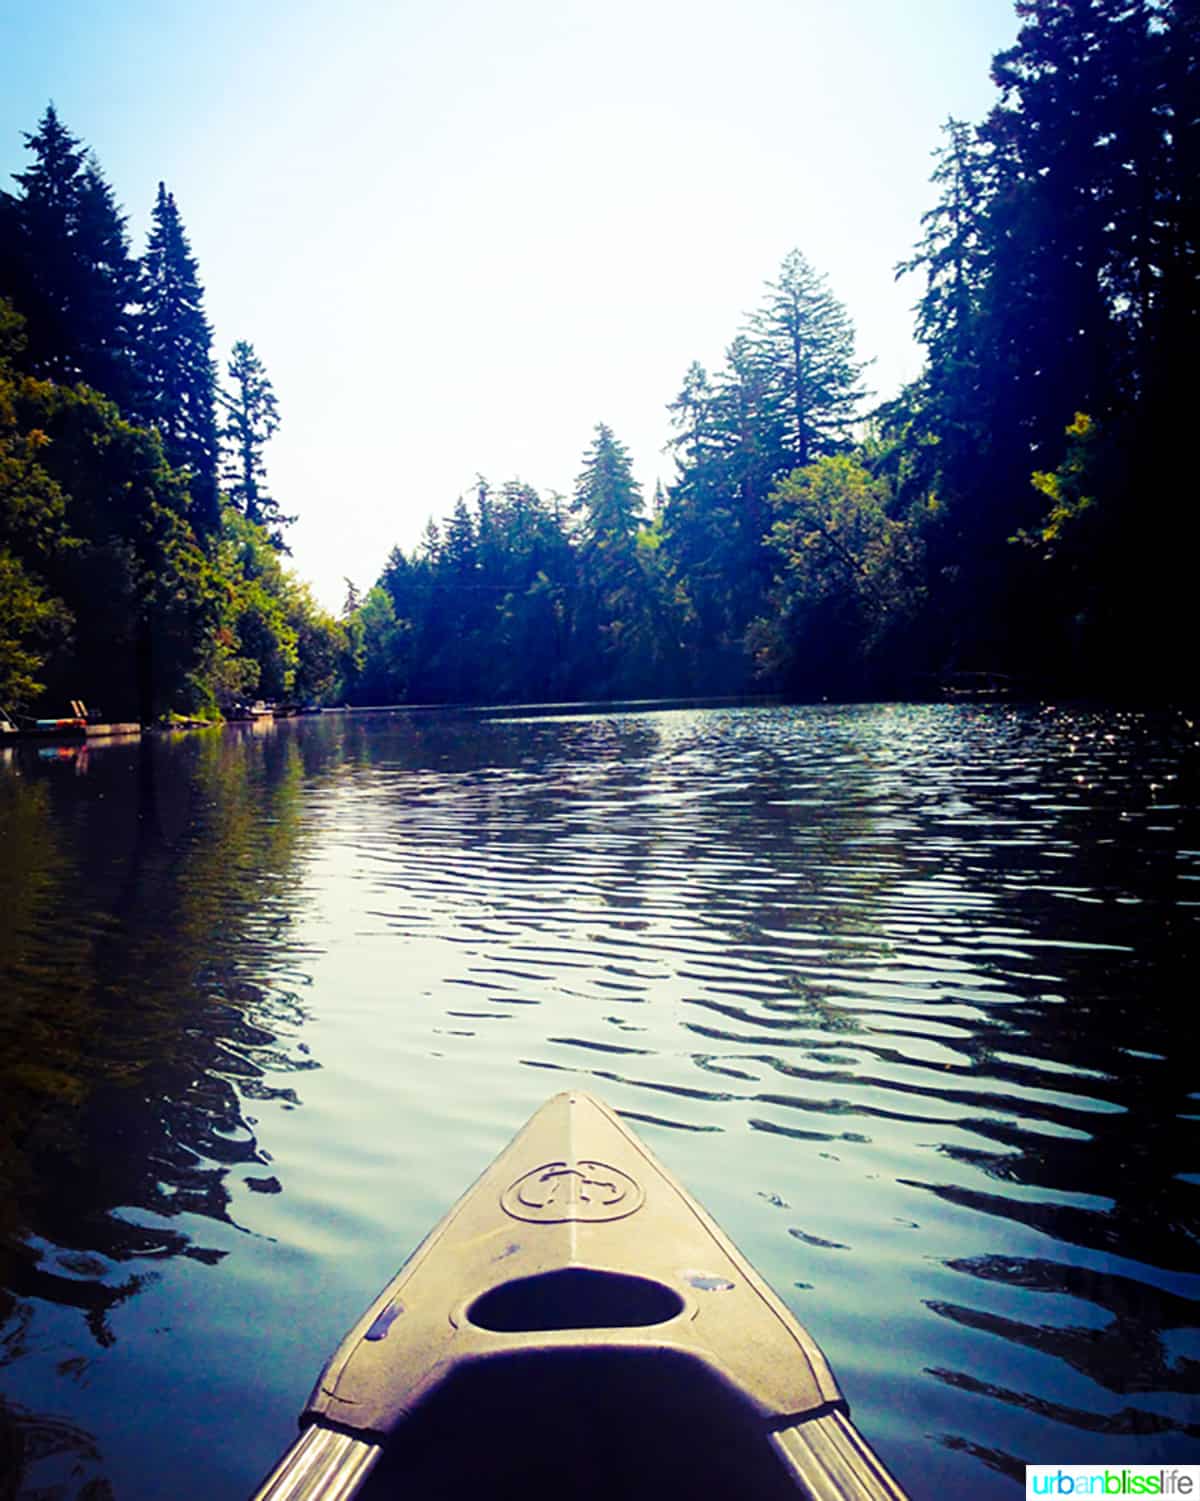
{"points": [[461, 233]]}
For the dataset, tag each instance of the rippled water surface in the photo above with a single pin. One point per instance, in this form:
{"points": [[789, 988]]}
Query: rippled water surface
{"points": [[905, 996]]}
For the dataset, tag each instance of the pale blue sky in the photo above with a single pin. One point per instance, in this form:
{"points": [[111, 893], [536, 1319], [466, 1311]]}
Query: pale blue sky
{"points": [[462, 234]]}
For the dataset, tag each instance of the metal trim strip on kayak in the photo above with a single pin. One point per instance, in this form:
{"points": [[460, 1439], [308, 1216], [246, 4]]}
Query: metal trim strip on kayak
{"points": [[322, 1465]]}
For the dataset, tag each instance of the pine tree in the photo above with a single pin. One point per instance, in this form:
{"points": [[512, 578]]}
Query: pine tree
{"points": [[1048, 325], [1062, 298], [609, 498], [175, 359], [802, 339], [952, 256], [251, 419], [789, 392], [65, 264], [1173, 312], [615, 610], [731, 452], [460, 549]]}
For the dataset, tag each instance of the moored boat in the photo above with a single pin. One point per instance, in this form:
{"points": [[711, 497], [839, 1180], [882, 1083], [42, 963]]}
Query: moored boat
{"points": [[70, 728], [247, 713], [577, 1325]]}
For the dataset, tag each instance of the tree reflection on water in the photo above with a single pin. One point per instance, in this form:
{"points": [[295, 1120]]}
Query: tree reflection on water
{"points": [[130, 1038]]}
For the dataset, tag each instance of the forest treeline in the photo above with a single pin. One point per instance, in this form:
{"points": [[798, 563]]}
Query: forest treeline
{"points": [[1023, 507], [140, 548]]}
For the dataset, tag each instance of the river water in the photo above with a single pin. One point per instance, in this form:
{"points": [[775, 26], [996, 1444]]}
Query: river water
{"points": [[905, 995]]}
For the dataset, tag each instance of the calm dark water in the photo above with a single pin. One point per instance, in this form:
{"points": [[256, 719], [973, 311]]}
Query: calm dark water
{"points": [[906, 996]]}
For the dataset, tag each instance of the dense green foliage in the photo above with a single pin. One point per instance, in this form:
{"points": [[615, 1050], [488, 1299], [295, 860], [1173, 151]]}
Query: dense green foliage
{"points": [[65, 263], [1061, 298], [124, 579], [1016, 510]]}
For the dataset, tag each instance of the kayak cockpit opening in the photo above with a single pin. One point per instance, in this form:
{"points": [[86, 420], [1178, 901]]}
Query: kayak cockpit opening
{"points": [[574, 1298]]}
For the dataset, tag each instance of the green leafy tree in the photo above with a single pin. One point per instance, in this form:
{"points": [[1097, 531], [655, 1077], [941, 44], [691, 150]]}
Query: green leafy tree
{"points": [[33, 621], [95, 537], [320, 643], [352, 660], [1085, 605], [382, 679], [256, 614], [273, 640], [849, 577], [32, 624], [139, 586]]}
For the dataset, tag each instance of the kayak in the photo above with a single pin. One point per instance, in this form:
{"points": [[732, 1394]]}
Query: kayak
{"points": [[577, 1326]]}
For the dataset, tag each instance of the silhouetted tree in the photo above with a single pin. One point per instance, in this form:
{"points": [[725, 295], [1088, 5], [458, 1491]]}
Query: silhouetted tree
{"points": [[65, 265], [251, 419], [175, 359]]}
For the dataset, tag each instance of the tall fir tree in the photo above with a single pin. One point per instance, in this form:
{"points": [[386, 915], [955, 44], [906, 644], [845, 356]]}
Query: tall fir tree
{"points": [[789, 393], [953, 259], [175, 359], [1047, 309], [251, 420], [609, 498], [1060, 315], [802, 340], [65, 265], [615, 611]]}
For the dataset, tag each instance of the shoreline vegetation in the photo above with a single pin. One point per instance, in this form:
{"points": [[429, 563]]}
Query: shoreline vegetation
{"points": [[1014, 520]]}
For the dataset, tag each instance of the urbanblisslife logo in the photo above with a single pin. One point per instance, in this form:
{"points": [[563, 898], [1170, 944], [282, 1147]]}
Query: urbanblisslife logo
{"points": [[1113, 1480]]}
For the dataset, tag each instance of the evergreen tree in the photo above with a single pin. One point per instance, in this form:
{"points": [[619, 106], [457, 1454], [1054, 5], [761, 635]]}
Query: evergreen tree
{"points": [[460, 546], [699, 530], [1049, 329], [534, 566], [802, 341], [1062, 288], [65, 264], [175, 359], [943, 434], [1174, 320], [952, 256], [789, 392], [251, 419], [609, 498], [615, 609]]}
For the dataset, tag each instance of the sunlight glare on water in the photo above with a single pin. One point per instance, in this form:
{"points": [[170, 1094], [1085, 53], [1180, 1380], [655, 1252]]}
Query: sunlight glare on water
{"points": [[898, 992]]}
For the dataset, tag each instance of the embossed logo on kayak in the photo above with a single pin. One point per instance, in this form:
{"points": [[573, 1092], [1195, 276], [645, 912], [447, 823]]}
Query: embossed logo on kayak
{"points": [[561, 1191]]}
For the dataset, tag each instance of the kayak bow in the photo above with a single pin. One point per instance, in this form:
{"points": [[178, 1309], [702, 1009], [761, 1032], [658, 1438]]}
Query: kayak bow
{"points": [[578, 1325]]}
